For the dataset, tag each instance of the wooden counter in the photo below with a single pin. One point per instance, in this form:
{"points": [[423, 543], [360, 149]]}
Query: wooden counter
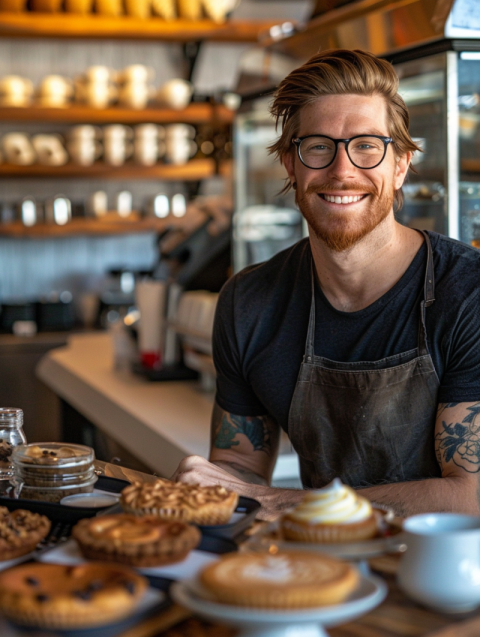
{"points": [[159, 422]]}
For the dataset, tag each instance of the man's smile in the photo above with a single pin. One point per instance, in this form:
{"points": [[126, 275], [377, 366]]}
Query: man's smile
{"points": [[341, 199]]}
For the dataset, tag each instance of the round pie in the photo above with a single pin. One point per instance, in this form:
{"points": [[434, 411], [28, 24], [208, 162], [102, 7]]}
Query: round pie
{"points": [[20, 532], [178, 501], [59, 597], [137, 541], [285, 580]]}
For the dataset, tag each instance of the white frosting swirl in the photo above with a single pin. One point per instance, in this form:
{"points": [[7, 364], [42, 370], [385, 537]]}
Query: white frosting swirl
{"points": [[336, 503]]}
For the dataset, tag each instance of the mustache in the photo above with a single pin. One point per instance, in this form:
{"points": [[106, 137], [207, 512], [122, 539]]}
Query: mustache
{"points": [[329, 186]]}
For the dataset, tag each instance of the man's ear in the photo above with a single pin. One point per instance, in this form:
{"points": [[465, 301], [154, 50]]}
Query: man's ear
{"points": [[289, 163], [401, 169]]}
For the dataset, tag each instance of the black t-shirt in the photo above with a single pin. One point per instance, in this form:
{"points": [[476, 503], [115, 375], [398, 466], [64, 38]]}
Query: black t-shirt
{"points": [[262, 318]]}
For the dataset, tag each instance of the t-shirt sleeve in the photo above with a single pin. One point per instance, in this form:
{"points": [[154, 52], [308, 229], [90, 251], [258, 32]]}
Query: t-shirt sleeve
{"points": [[461, 380], [234, 393]]}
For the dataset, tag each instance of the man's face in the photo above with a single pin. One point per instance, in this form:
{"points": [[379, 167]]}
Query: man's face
{"points": [[341, 225]]}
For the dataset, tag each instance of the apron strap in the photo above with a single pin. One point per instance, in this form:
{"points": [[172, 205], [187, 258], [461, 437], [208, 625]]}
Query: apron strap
{"points": [[428, 297], [309, 344]]}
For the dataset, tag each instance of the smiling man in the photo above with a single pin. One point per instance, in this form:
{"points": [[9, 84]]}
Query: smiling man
{"points": [[362, 342]]}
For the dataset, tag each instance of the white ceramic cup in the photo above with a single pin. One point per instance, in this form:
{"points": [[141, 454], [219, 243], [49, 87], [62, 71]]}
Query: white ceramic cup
{"points": [[117, 132], [97, 204], [56, 85], [135, 94], [99, 74], [83, 151], [175, 93], [97, 94], [15, 90], [137, 73], [145, 151], [179, 130], [441, 567], [85, 131], [50, 150], [18, 149], [116, 151], [179, 150]]}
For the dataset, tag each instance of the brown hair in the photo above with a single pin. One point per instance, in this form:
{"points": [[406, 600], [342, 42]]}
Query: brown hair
{"points": [[340, 72]]}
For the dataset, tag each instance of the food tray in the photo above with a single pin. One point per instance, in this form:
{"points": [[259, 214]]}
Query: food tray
{"points": [[57, 512], [243, 517]]}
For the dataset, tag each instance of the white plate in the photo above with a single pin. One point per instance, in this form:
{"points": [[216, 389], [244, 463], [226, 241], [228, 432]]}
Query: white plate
{"points": [[69, 553], [370, 592], [263, 540]]}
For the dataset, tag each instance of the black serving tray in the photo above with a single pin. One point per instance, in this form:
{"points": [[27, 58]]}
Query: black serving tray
{"points": [[59, 513], [167, 372], [231, 530]]}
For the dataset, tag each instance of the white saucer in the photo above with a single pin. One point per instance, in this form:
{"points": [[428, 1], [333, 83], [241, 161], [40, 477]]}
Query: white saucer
{"points": [[309, 622]]}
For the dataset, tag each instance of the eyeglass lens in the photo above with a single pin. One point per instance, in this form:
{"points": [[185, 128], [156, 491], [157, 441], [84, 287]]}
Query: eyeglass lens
{"points": [[364, 152]]}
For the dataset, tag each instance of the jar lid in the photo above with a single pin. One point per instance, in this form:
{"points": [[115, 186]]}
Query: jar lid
{"points": [[11, 417], [52, 454]]}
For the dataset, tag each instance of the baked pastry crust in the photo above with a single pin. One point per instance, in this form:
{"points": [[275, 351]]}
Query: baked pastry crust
{"points": [[20, 532], [299, 531], [137, 541], [286, 580], [55, 596], [178, 501]]}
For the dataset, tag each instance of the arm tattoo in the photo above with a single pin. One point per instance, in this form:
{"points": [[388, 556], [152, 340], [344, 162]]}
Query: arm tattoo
{"points": [[254, 428], [460, 443]]}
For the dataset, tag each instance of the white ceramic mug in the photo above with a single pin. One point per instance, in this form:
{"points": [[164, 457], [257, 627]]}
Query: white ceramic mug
{"points": [[179, 150], [84, 151], [135, 94], [18, 149], [15, 90], [116, 151], [97, 94], [85, 131], [56, 85], [137, 73], [145, 151], [441, 567], [50, 150], [117, 132], [175, 93], [97, 204], [98, 74]]}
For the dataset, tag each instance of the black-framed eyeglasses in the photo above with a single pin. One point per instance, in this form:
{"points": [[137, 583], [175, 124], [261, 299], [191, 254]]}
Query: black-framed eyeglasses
{"points": [[364, 151]]}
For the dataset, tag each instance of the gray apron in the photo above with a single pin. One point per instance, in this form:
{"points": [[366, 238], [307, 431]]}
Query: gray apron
{"points": [[368, 422]]}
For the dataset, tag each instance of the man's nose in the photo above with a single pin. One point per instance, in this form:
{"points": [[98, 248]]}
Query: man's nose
{"points": [[341, 167]]}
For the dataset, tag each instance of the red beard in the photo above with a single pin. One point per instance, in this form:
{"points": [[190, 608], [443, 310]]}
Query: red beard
{"points": [[340, 231]]}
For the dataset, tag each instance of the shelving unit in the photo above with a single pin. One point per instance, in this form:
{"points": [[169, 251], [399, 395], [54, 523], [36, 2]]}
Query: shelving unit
{"points": [[201, 113], [65, 25], [194, 170], [79, 226]]}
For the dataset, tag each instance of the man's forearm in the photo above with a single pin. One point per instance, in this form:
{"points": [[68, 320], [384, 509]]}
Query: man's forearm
{"points": [[436, 494]]}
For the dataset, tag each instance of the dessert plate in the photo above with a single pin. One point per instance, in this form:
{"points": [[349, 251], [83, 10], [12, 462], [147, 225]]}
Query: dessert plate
{"points": [[307, 622], [391, 542], [69, 553]]}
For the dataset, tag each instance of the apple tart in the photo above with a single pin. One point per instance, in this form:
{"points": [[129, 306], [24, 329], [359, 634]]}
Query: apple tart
{"points": [[178, 501], [136, 541]]}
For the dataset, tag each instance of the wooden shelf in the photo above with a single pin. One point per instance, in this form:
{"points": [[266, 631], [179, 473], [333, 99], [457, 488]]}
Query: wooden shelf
{"points": [[83, 226], [65, 25], [201, 113], [194, 170]]}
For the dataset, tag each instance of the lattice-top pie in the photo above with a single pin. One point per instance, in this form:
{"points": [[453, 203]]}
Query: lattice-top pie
{"points": [[137, 541], [178, 501]]}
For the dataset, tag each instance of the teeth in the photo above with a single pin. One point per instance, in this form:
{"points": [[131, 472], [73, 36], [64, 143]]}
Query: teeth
{"points": [[344, 199]]}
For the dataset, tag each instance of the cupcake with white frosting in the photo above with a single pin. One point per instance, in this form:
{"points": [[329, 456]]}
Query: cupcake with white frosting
{"points": [[335, 513]]}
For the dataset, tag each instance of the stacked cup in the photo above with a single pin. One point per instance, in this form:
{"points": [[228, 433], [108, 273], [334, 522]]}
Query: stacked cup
{"points": [[146, 146], [95, 87], [135, 85], [179, 143], [55, 91], [117, 145], [83, 144]]}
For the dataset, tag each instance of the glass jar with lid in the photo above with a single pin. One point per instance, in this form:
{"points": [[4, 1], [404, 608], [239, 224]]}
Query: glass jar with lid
{"points": [[11, 436]]}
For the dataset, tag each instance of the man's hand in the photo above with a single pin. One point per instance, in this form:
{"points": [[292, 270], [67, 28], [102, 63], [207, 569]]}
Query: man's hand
{"points": [[197, 470]]}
